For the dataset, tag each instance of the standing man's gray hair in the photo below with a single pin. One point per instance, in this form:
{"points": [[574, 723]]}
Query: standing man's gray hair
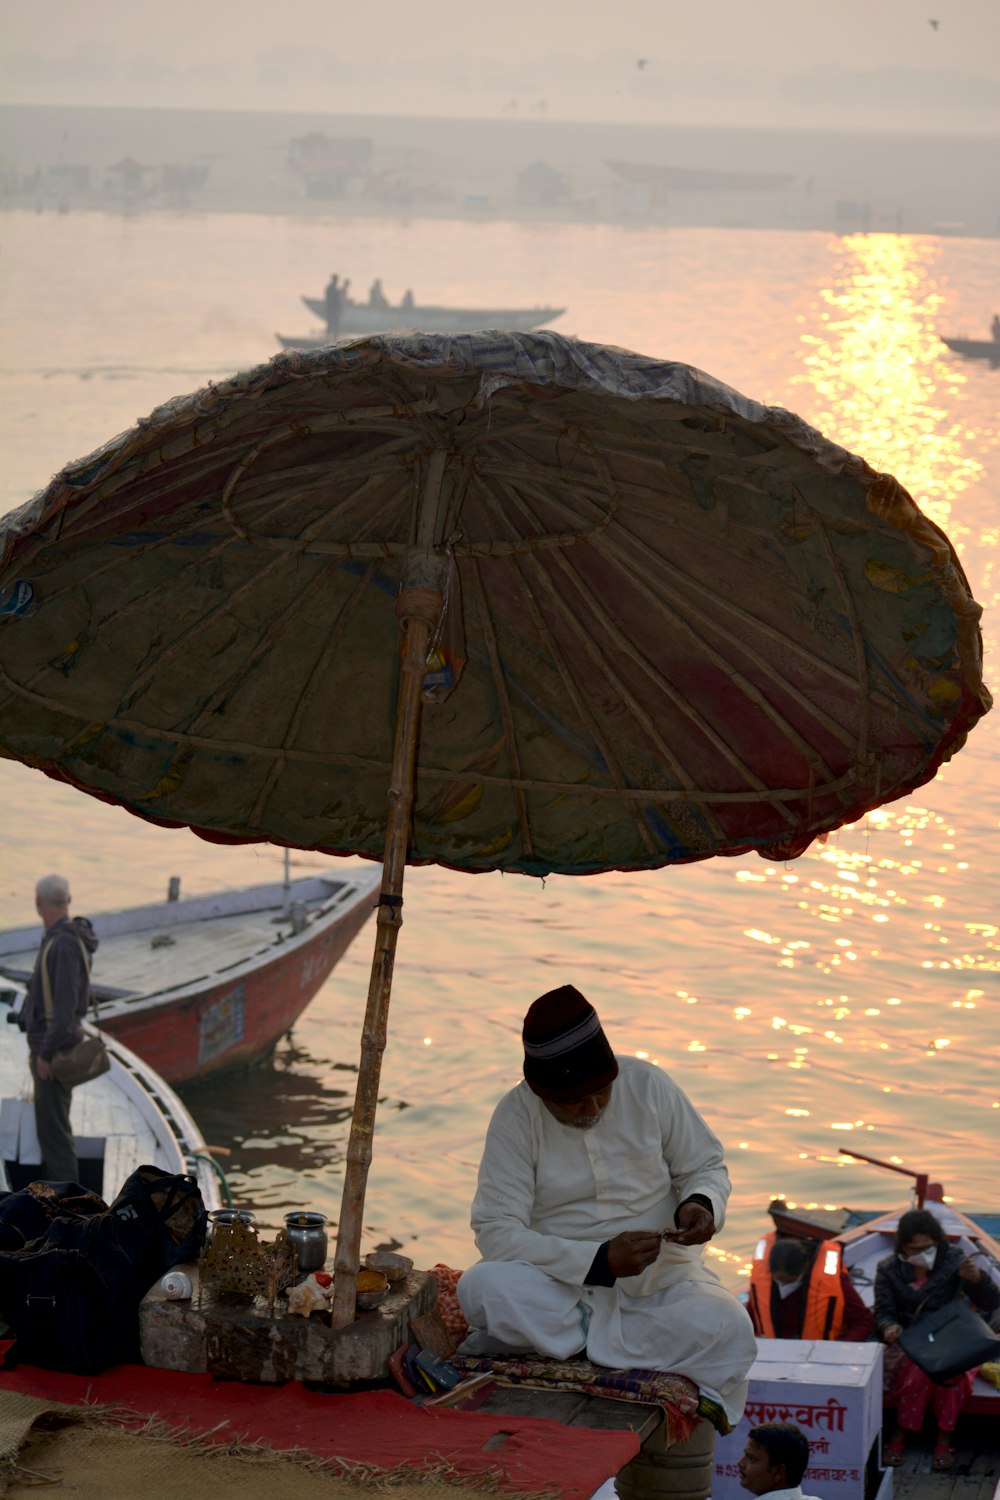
{"points": [[53, 889]]}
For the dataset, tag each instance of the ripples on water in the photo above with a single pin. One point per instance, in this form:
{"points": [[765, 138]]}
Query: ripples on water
{"points": [[847, 999]]}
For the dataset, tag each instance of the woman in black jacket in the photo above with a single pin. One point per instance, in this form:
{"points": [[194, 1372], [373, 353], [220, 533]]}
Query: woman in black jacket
{"points": [[923, 1274]]}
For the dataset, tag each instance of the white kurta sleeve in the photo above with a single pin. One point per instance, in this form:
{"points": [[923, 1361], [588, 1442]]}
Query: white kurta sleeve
{"points": [[502, 1207], [692, 1152]]}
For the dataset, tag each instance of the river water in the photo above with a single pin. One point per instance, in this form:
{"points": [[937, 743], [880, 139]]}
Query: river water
{"points": [[847, 999]]}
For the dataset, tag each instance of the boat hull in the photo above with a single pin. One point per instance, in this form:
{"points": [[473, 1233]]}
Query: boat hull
{"points": [[200, 987], [988, 349], [360, 318], [233, 1023]]}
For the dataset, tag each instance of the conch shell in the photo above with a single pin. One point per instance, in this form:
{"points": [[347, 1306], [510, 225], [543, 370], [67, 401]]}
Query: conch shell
{"points": [[315, 1294]]}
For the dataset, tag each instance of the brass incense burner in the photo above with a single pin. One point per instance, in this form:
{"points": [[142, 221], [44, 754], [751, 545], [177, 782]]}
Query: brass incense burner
{"points": [[235, 1263]]}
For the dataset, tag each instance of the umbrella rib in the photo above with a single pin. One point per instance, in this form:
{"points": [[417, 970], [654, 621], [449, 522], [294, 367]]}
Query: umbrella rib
{"points": [[582, 483], [182, 642], [506, 713], [110, 482], [106, 484], [629, 650], [681, 704], [582, 708], [383, 460], [625, 645], [743, 616], [860, 654], [820, 665], [752, 693], [297, 427], [225, 543], [280, 760], [682, 623], [713, 439], [746, 684], [323, 758], [203, 623]]}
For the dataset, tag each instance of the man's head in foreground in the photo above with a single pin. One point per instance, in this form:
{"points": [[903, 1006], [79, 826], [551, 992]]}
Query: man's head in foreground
{"points": [[567, 1060], [775, 1458]]}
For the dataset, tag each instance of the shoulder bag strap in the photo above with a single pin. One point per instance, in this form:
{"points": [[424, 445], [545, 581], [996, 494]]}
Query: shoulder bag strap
{"points": [[47, 983]]}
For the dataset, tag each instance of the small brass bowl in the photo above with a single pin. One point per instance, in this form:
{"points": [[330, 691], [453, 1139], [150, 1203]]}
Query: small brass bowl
{"points": [[373, 1288], [393, 1267]]}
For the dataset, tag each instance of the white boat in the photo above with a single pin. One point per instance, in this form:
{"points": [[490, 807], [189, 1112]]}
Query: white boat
{"points": [[362, 318], [127, 1118]]}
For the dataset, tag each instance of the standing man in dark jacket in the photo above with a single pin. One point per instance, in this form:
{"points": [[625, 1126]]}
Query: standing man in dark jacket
{"points": [[64, 961]]}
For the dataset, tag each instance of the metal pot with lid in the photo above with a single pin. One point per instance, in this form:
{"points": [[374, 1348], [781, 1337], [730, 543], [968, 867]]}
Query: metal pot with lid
{"points": [[308, 1238]]}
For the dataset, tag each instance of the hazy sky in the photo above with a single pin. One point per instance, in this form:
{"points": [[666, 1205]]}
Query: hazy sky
{"points": [[442, 56]]}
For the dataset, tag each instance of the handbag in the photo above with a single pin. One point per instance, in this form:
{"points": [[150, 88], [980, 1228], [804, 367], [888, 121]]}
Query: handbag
{"points": [[79, 1064], [949, 1341], [86, 1059]]}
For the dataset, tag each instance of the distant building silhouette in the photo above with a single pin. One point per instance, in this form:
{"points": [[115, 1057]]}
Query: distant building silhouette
{"points": [[326, 164], [542, 184]]}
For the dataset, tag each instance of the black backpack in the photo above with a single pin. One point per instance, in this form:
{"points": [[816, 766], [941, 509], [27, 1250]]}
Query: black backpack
{"points": [[162, 1217], [71, 1297]]}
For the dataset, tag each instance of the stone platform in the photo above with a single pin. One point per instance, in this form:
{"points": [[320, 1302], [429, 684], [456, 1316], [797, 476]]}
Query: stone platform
{"points": [[238, 1341]]}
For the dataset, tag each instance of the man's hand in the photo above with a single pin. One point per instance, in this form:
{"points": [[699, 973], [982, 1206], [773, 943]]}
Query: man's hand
{"points": [[43, 1069], [969, 1271], [695, 1225], [631, 1252], [891, 1332]]}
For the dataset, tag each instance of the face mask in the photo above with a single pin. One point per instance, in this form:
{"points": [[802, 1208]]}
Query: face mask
{"points": [[922, 1260], [786, 1288]]}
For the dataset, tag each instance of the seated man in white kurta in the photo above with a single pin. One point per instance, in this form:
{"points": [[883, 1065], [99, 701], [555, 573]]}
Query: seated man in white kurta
{"points": [[599, 1183]]}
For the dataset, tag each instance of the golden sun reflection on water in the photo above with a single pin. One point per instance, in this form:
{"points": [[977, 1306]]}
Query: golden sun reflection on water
{"points": [[879, 373]]}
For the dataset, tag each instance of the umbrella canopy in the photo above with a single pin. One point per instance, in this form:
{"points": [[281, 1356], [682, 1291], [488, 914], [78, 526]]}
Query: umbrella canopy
{"points": [[493, 601], [692, 626]]}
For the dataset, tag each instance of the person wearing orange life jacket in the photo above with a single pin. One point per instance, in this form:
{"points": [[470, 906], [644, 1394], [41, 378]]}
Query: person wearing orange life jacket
{"points": [[798, 1294]]}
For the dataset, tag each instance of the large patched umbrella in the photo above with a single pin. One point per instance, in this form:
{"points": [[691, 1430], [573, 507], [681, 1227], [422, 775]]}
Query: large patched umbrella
{"points": [[497, 602]]}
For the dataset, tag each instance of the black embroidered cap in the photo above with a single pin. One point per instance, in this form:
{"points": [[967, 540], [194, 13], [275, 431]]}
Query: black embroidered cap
{"points": [[566, 1054]]}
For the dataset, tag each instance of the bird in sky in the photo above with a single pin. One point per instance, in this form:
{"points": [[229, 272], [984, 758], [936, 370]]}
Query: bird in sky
{"points": [[641, 62], [935, 24]]}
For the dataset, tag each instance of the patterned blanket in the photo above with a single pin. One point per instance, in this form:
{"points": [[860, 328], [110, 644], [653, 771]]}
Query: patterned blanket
{"points": [[677, 1395]]}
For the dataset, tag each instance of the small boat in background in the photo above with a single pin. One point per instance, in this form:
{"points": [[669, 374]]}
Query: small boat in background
{"points": [[127, 1118], [212, 983], [988, 349], [363, 317]]}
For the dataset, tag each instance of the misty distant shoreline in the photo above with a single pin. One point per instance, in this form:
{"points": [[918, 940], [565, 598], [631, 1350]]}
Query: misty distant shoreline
{"points": [[72, 158]]}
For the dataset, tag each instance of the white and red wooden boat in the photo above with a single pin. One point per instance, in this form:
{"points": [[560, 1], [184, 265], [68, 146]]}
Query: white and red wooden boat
{"points": [[202, 985]]}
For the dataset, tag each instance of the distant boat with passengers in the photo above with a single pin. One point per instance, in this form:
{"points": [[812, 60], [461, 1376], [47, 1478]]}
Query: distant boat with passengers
{"points": [[343, 315]]}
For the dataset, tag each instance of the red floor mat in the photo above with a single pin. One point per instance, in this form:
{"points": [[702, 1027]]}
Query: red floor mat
{"points": [[376, 1427]]}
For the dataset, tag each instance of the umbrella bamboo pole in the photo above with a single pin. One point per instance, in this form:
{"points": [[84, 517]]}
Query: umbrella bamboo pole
{"points": [[418, 610], [389, 919]]}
